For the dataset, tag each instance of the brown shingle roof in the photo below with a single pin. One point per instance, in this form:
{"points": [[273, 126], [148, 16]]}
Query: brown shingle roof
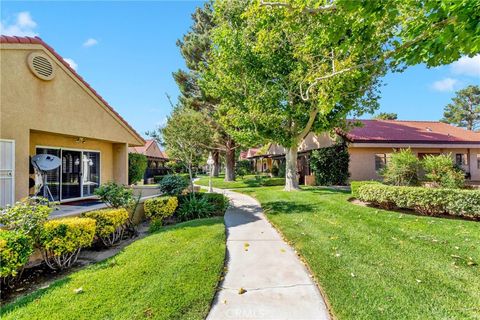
{"points": [[148, 151], [399, 131], [37, 40]]}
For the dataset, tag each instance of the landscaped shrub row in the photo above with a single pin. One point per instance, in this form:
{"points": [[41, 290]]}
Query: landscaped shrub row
{"points": [[109, 224], [355, 185], [430, 201], [160, 208]]}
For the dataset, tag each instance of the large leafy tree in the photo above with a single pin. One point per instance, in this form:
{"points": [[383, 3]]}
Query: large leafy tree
{"points": [[464, 111], [195, 49], [284, 69], [386, 116]]}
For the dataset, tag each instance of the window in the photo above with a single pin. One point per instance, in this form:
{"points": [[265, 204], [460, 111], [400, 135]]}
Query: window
{"points": [[381, 160], [461, 159]]}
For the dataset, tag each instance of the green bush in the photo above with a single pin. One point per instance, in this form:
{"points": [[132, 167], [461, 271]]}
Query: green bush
{"points": [[15, 250], [62, 239], [110, 224], [160, 208], [173, 185], [194, 206], [282, 170], [219, 202], [402, 169], [330, 165], [155, 225], [242, 168], [115, 195], [442, 171], [27, 216], [429, 201], [355, 185], [137, 164], [157, 179]]}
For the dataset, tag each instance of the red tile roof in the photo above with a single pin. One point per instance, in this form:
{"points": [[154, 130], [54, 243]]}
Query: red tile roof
{"points": [[37, 40], [398, 131], [148, 151]]}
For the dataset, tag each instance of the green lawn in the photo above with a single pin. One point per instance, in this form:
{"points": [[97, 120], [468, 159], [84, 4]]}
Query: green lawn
{"points": [[171, 274], [376, 264], [245, 182]]}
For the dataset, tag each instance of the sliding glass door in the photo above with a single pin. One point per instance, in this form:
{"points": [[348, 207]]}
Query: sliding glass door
{"points": [[78, 175]]}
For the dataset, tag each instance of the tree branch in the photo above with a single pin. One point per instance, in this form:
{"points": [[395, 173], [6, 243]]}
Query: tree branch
{"points": [[328, 7]]}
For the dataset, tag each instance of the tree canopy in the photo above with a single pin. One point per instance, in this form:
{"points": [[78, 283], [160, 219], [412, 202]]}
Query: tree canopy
{"points": [[386, 116], [464, 111]]}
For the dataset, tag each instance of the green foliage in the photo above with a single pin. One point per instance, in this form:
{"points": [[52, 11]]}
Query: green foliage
{"points": [[160, 208], [66, 235], [157, 179], [464, 111], [176, 166], [155, 226], [219, 202], [27, 216], [193, 206], [355, 186], [173, 185], [108, 220], [442, 171], [137, 164], [15, 250], [330, 165], [115, 195], [402, 169], [242, 168], [430, 201], [281, 169], [386, 116]]}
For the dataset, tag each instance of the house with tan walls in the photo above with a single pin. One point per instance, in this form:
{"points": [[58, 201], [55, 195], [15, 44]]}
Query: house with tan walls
{"points": [[371, 144], [47, 108]]}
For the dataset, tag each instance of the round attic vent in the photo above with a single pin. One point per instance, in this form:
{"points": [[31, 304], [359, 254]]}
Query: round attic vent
{"points": [[41, 66]]}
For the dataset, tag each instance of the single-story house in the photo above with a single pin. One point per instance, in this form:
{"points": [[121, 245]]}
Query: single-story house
{"points": [[371, 144], [47, 108], [156, 159]]}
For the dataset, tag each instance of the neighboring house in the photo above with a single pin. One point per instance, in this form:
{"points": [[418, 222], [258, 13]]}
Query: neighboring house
{"points": [[46, 107], [157, 159], [371, 145]]}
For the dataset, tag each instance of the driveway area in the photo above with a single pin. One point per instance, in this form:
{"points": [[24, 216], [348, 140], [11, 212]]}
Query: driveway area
{"points": [[264, 277]]}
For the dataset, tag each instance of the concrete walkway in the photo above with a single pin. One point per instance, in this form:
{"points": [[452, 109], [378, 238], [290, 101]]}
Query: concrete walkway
{"points": [[277, 284]]}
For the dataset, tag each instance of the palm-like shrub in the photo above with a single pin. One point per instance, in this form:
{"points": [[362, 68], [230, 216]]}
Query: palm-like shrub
{"points": [[402, 169], [194, 207], [62, 239], [442, 171], [110, 224]]}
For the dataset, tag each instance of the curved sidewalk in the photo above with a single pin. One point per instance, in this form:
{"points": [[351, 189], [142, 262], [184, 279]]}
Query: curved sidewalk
{"points": [[277, 284]]}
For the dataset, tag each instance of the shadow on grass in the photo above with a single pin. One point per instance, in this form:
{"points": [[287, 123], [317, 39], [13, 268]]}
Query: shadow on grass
{"points": [[287, 207]]}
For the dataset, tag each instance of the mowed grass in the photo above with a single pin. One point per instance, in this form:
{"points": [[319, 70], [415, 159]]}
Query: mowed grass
{"points": [[248, 181], [376, 264], [171, 274]]}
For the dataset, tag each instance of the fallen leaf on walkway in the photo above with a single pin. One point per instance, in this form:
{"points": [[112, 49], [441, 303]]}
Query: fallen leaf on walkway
{"points": [[225, 301], [241, 291], [282, 250]]}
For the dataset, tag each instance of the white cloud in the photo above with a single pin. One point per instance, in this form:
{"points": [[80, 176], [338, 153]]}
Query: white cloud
{"points": [[90, 42], [446, 84], [467, 66], [72, 63], [23, 26]]}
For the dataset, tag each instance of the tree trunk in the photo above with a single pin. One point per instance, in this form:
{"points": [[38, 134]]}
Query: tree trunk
{"points": [[230, 160], [191, 177], [291, 181], [216, 163]]}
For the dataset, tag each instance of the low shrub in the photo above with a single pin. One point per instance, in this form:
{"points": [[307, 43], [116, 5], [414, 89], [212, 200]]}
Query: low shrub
{"points": [[109, 224], [402, 169], [219, 202], [270, 182], [62, 239], [173, 185], [355, 185], [15, 250], [194, 206], [442, 171], [115, 195], [429, 201], [154, 226], [27, 216], [160, 208]]}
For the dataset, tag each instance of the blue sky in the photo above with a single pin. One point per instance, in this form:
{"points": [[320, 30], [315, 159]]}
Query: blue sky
{"points": [[127, 51]]}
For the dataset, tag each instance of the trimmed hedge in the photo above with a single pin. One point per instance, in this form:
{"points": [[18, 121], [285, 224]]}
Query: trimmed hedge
{"points": [[62, 239], [355, 185], [15, 250], [429, 201], [109, 224], [160, 208]]}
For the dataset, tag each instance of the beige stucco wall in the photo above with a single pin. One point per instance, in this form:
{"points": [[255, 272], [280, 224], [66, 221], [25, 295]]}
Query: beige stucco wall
{"points": [[64, 109], [362, 160]]}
